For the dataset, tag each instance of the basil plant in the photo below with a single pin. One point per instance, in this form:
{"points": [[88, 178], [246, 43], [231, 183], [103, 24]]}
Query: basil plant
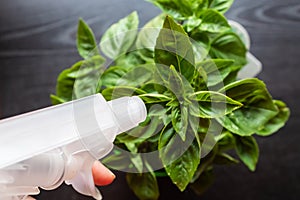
{"points": [[184, 65]]}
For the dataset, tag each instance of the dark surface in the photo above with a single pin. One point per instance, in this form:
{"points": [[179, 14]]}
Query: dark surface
{"points": [[37, 41]]}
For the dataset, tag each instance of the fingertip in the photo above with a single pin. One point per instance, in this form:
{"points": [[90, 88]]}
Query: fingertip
{"points": [[102, 175], [30, 198]]}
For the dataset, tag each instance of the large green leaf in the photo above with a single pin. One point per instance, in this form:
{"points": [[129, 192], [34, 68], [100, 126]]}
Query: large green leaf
{"points": [[179, 158], [216, 69], [86, 42], [144, 185], [247, 150], [213, 104], [276, 122], [173, 47], [213, 21], [258, 107], [120, 36], [220, 5], [229, 46]]}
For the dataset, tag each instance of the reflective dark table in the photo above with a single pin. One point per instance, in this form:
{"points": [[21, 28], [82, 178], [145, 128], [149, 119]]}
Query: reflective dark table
{"points": [[37, 41]]}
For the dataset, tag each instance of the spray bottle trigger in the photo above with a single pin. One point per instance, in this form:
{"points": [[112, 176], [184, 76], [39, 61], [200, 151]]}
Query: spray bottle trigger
{"points": [[83, 181]]}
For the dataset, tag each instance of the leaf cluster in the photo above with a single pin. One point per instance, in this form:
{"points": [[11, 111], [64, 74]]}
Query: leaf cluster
{"points": [[183, 64]]}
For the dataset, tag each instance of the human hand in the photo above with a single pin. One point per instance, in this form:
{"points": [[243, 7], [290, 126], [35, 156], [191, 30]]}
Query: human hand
{"points": [[102, 175]]}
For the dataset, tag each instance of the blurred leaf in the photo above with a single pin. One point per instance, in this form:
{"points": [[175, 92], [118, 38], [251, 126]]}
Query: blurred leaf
{"points": [[147, 36], [111, 75], [120, 36], [225, 159], [87, 78], [205, 180], [65, 83], [144, 185], [120, 91]]}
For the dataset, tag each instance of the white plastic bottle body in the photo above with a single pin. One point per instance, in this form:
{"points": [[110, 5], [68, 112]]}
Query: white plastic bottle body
{"points": [[61, 143]]}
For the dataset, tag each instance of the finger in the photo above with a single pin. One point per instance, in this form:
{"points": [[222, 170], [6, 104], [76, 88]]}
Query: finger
{"points": [[102, 175]]}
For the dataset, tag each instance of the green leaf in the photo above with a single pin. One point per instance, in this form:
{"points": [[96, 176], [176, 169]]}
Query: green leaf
{"points": [[258, 107], [213, 21], [205, 181], [173, 47], [56, 100], [130, 59], [206, 161], [226, 141], [137, 76], [275, 123], [191, 23], [87, 77], [65, 83], [111, 76], [147, 36], [117, 160], [247, 150], [180, 120], [144, 185], [213, 104], [142, 133], [225, 159], [229, 46], [154, 98], [86, 42], [120, 36], [179, 158], [179, 9], [178, 85], [201, 45], [220, 5], [216, 69], [120, 91]]}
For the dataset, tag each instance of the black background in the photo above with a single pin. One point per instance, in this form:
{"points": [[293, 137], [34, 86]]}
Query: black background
{"points": [[37, 41]]}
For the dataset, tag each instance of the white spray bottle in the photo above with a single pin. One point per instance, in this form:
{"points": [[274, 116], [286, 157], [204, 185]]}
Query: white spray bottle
{"points": [[59, 144]]}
